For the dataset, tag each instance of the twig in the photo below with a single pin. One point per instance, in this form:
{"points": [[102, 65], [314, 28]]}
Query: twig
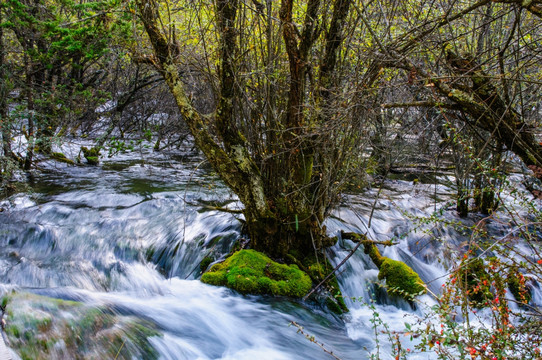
{"points": [[116, 357], [313, 339], [216, 208], [361, 240], [333, 272], [223, 209]]}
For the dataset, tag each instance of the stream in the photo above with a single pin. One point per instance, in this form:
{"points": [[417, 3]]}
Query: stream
{"points": [[130, 234]]}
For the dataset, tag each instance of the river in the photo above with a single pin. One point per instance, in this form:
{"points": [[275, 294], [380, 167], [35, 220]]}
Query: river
{"points": [[130, 234]]}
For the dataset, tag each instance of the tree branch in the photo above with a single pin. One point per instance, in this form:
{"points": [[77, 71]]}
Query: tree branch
{"points": [[430, 104], [361, 240], [236, 168]]}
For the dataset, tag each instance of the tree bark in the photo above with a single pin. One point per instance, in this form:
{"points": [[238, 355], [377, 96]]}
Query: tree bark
{"points": [[533, 6], [484, 105], [4, 121]]}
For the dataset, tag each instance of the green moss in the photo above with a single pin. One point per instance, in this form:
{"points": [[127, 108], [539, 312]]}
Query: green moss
{"points": [[475, 281], [5, 301], [318, 270], [92, 155], [374, 254], [62, 158], [400, 278], [333, 306], [516, 284], [13, 331], [251, 272], [93, 160], [204, 264]]}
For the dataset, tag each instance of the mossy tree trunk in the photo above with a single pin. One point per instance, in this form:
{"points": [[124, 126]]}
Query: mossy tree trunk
{"points": [[533, 6], [286, 196], [484, 104]]}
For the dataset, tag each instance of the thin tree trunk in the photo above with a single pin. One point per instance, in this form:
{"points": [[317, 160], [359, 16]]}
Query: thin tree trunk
{"points": [[4, 121], [31, 114]]}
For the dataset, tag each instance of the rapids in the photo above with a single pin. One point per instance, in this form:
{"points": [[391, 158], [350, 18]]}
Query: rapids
{"points": [[130, 234]]}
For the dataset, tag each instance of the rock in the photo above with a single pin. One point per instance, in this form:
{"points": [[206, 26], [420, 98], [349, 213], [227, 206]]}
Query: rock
{"points": [[251, 272], [92, 155], [39, 327], [400, 278]]}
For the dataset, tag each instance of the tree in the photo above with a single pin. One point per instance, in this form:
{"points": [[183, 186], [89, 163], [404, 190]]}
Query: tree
{"points": [[6, 153], [307, 121], [467, 73], [477, 68], [286, 175], [61, 44], [4, 124]]}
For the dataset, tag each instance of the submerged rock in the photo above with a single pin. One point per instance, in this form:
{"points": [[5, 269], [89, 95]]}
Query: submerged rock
{"points": [[40, 327], [251, 272]]}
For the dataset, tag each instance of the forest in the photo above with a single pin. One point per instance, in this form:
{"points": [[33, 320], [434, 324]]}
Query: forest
{"points": [[227, 179]]}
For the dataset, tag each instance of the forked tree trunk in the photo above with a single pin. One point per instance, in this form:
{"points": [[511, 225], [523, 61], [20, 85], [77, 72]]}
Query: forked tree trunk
{"points": [[285, 201]]}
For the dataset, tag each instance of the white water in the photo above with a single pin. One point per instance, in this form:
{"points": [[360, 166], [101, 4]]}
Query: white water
{"points": [[131, 234]]}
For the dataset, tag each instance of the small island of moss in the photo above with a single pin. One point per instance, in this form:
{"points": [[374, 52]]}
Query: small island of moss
{"points": [[401, 278], [251, 272]]}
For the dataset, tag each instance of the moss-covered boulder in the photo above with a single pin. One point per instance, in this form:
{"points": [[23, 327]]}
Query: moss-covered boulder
{"points": [[400, 278], [475, 281], [40, 327], [251, 272], [516, 283], [318, 270], [204, 264], [92, 155]]}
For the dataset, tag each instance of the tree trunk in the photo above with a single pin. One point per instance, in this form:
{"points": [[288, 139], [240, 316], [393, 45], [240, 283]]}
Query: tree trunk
{"points": [[285, 196], [4, 121], [31, 114]]}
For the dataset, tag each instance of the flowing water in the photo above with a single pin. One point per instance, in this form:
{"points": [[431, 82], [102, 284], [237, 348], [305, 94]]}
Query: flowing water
{"points": [[130, 234]]}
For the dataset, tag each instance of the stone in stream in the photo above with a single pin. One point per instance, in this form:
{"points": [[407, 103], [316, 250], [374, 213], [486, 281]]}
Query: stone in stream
{"points": [[39, 327]]}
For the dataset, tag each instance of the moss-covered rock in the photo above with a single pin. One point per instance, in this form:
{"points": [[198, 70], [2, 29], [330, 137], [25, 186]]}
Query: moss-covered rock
{"points": [[251, 272], [475, 281], [40, 327], [400, 278], [518, 288], [58, 156], [204, 264], [92, 155], [318, 270]]}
